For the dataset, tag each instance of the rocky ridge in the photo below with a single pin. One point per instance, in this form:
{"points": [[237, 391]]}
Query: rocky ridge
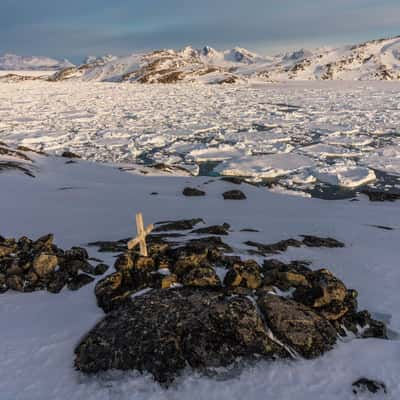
{"points": [[372, 60], [194, 303]]}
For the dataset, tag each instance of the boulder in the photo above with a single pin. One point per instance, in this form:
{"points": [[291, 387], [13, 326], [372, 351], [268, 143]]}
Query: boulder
{"points": [[3, 283], [100, 269], [45, 264], [201, 277], [193, 192], [79, 281], [234, 195], [163, 331], [213, 230], [365, 385], [15, 282], [180, 225], [323, 290], [6, 250], [246, 274], [112, 292], [298, 326]]}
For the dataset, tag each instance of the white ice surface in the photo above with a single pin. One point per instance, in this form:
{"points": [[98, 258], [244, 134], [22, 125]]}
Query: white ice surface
{"points": [[184, 123]]}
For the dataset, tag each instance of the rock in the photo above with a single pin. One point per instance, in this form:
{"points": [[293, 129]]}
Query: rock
{"points": [[370, 328], [213, 230], [161, 281], [6, 250], [164, 331], [124, 262], [274, 248], [281, 246], [169, 281], [111, 292], [380, 195], [201, 277], [181, 225], [69, 154], [233, 179], [79, 281], [73, 267], [76, 253], [111, 247], [3, 284], [364, 385], [193, 192], [186, 263], [234, 195], [213, 245], [24, 244], [44, 243], [314, 241], [57, 283], [285, 276], [325, 288], [246, 274], [15, 282], [297, 326], [100, 269], [45, 264], [40, 265]]}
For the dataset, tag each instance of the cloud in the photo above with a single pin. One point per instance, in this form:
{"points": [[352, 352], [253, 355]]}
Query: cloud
{"points": [[77, 28]]}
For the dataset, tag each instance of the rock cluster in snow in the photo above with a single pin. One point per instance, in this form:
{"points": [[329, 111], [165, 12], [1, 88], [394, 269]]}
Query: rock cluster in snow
{"points": [[29, 265], [193, 303]]}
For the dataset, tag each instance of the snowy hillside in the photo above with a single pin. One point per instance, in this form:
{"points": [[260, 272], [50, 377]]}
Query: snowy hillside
{"points": [[82, 202], [12, 62], [374, 60]]}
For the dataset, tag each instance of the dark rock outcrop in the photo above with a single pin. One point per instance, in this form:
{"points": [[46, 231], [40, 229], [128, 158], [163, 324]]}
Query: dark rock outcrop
{"points": [[193, 192], [234, 195], [297, 326], [364, 385], [171, 310], [165, 330], [27, 265]]}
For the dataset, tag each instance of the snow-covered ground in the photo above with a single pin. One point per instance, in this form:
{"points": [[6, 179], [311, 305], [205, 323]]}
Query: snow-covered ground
{"points": [[39, 330], [333, 132]]}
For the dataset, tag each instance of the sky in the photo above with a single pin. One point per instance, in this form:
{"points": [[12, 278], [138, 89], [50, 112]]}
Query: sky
{"points": [[76, 28]]}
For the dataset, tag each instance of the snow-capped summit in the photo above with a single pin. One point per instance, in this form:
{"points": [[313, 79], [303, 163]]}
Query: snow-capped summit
{"points": [[13, 62], [241, 55], [373, 60]]}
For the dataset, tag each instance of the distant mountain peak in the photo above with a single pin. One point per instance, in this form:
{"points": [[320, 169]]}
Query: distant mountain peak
{"points": [[15, 62], [373, 60]]}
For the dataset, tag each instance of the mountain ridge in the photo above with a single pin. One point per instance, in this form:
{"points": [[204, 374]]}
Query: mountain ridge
{"points": [[372, 60]]}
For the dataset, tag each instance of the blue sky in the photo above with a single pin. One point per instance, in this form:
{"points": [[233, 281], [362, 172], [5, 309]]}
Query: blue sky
{"points": [[76, 28]]}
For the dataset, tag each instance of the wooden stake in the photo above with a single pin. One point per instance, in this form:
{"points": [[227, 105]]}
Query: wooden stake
{"points": [[141, 236]]}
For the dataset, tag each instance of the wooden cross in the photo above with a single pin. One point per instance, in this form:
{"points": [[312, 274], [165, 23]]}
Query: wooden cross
{"points": [[141, 237]]}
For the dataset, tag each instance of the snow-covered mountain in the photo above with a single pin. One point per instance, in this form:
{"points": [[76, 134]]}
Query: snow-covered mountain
{"points": [[12, 62], [373, 60]]}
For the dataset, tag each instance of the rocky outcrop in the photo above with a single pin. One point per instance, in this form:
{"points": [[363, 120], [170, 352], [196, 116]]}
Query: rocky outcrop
{"points": [[173, 309], [283, 245], [365, 385], [297, 326], [234, 195], [164, 331], [193, 192], [29, 265]]}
